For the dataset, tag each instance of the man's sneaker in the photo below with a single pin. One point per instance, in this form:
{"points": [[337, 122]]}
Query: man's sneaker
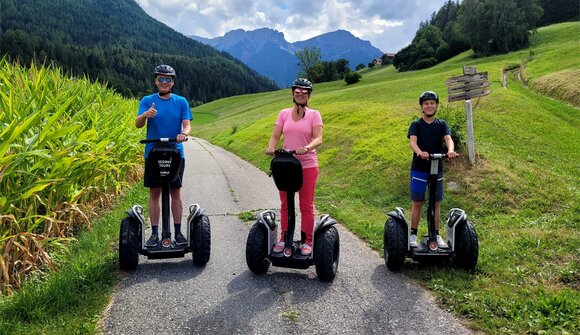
{"points": [[180, 239], [152, 241], [441, 243], [305, 249], [413, 240], [278, 247]]}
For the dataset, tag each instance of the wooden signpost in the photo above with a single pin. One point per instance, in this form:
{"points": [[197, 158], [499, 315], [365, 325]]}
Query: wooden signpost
{"points": [[470, 85]]}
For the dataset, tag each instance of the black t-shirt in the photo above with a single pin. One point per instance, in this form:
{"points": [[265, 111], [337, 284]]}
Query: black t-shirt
{"points": [[429, 139]]}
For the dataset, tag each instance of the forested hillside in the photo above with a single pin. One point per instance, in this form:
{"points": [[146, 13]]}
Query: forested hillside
{"points": [[487, 26], [116, 42]]}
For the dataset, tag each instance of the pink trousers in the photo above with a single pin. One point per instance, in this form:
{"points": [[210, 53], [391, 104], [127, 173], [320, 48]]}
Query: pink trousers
{"points": [[306, 197]]}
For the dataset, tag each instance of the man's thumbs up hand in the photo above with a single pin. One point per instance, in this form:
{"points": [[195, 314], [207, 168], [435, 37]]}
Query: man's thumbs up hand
{"points": [[151, 112]]}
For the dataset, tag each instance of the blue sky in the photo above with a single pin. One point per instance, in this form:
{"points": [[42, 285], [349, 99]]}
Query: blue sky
{"points": [[388, 24]]}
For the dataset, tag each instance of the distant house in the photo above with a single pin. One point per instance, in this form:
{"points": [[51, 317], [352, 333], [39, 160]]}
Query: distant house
{"points": [[387, 58], [389, 55]]}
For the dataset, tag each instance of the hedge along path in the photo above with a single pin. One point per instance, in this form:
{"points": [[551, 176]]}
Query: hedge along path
{"points": [[67, 147]]}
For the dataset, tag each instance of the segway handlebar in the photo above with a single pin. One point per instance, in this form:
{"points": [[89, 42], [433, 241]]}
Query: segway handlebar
{"points": [[437, 156], [160, 140], [281, 151]]}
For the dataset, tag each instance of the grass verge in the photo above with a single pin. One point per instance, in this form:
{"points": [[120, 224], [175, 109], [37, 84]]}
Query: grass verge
{"points": [[71, 300]]}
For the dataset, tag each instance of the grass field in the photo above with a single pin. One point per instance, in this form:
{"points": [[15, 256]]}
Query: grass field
{"points": [[522, 194]]}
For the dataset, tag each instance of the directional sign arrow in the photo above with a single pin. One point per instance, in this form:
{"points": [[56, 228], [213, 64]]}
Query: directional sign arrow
{"points": [[466, 78], [468, 87], [468, 95]]}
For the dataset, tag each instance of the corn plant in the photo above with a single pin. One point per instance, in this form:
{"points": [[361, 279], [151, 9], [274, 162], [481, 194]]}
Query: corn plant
{"points": [[67, 146]]}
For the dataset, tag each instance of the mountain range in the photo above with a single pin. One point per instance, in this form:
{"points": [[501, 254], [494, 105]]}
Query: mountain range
{"points": [[267, 52], [116, 42]]}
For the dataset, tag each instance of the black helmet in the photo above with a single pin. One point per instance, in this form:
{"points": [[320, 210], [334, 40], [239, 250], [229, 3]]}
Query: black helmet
{"points": [[428, 95], [165, 70], [302, 83]]}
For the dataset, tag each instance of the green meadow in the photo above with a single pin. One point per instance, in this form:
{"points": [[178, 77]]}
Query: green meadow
{"points": [[522, 194]]}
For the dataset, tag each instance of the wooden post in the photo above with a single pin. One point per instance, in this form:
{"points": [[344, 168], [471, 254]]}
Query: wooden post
{"points": [[470, 137], [504, 80]]}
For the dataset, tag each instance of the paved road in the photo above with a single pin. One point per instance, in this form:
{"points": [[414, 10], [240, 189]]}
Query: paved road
{"points": [[224, 297]]}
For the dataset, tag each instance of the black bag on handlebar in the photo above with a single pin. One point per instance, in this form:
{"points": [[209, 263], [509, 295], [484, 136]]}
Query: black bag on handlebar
{"points": [[287, 172], [164, 162]]}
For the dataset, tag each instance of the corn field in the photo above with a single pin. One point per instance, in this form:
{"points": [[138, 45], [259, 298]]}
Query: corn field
{"points": [[67, 147]]}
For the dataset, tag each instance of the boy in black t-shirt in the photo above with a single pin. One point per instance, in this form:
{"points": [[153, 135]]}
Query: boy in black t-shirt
{"points": [[426, 136]]}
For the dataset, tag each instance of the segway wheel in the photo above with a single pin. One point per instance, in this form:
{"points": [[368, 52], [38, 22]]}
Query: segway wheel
{"points": [[257, 249], [200, 236], [129, 243], [467, 247], [394, 245], [327, 250]]}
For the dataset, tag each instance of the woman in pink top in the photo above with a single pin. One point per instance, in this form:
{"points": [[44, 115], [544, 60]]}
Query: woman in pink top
{"points": [[302, 130]]}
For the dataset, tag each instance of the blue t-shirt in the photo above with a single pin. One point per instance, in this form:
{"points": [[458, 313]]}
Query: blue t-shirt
{"points": [[167, 122]]}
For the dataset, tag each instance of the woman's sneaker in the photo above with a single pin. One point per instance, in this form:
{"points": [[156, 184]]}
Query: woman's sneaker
{"points": [[278, 247], [305, 249], [441, 243]]}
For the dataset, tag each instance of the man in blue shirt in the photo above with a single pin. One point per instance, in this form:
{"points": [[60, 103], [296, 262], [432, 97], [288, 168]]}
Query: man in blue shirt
{"points": [[167, 115]]}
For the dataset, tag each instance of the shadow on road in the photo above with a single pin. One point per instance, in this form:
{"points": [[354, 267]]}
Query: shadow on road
{"points": [[250, 296], [164, 272]]}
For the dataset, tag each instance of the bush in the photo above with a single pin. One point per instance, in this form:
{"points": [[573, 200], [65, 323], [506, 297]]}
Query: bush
{"points": [[352, 78], [455, 119], [425, 63]]}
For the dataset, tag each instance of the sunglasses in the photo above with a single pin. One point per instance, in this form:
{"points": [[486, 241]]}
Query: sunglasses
{"points": [[167, 80], [297, 90]]}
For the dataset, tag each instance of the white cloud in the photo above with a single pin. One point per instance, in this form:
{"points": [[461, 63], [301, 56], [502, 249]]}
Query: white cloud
{"points": [[388, 25]]}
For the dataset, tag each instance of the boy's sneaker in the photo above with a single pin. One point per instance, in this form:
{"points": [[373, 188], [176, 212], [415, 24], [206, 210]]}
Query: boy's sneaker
{"points": [[305, 249], [152, 241], [278, 247], [180, 239], [413, 240], [441, 243]]}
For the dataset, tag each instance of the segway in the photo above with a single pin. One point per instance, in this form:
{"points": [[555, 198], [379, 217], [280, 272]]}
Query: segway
{"points": [[287, 173], [463, 246], [164, 163]]}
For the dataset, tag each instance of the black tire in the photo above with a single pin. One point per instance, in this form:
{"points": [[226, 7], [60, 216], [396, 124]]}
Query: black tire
{"points": [[129, 244], [200, 236], [394, 244], [327, 252], [257, 249], [467, 247]]}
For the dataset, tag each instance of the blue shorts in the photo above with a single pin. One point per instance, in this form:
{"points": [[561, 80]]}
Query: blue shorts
{"points": [[419, 185]]}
